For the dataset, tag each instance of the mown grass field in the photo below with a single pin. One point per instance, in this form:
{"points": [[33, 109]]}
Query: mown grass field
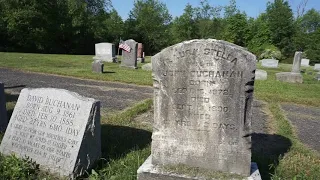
{"points": [[126, 142]]}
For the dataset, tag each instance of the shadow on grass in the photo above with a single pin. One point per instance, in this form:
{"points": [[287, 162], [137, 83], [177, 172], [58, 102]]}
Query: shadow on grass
{"points": [[267, 149], [12, 87], [117, 141], [108, 72], [11, 97]]}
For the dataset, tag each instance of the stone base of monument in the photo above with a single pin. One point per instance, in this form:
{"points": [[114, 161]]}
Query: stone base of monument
{"points": [[124, 66], [148, 171], [289, 77], [105, 59]]}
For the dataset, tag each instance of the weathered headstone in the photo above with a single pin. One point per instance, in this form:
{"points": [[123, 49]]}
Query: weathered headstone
{"points": [[147, 67], [129, 59], [105, 52], [97, 66], [294, 76], [269, 63], [58, 129], [261, 74], [317, 67], [305, 62], [140, 53], [203, 92], [3, 110]]}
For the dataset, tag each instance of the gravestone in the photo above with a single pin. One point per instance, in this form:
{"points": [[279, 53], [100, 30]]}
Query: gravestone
{"points": [[261, 74], [317, 67], [269, 63], [294, 76], [97, 66], [203, 92], [147, 67], [305, 62], [58, 129], [140, 53], [3, 109], [105, 52], [129, 59], [318, 76]]}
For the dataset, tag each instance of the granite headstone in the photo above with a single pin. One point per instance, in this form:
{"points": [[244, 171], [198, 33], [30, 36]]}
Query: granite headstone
{"points": [[129, 59], [203, 92], [294, 76], [269, 63], [317, 67], [261, 74], [97, 66], [3, 110], [58, 129], [305, 62], [140, 55], [105, 52]]}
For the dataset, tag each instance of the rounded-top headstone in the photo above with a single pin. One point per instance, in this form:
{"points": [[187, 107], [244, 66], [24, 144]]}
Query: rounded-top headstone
{"points": [[203, 93]]}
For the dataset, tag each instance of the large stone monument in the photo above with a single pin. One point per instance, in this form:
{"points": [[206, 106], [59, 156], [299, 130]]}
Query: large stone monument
{"points": [[129, 59], [203, 92], [3, 109], [105, 52], [269, 63], [140, 55], [294, 76], [58, 129]]}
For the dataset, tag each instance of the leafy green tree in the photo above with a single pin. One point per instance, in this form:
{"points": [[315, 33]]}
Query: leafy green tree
{"points": [[151, 21], [281, 25]]}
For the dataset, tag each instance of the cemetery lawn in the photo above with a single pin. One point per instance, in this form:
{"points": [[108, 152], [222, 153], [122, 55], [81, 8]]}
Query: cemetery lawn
{"points": [[126, 142], [76, 66]]}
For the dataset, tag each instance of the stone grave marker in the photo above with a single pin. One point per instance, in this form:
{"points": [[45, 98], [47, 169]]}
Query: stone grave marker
{"points": [[129, 59], [105, 52], [140, 53], [203, 92], [305, 62], [294, 76], [318, 76], [269, 63], [261, 74], [317, 67], [3, 109], [97, 66], [58, 129]]}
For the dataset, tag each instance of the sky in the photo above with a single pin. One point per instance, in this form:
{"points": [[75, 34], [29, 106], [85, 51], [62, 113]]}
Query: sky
{"points": [[252, 7]]}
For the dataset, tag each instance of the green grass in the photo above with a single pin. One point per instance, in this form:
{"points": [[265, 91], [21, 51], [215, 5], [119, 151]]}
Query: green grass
{"points": [[74, 65], [126, 143]]}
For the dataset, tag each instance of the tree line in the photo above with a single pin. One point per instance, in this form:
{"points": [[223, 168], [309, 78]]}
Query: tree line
{"points": [[74, 26]]}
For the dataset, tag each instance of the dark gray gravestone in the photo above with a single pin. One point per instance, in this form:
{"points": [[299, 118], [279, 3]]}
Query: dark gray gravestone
{"points": [[58, 129], [203, 92], [129, 59], [3, 110], [97, 66]]}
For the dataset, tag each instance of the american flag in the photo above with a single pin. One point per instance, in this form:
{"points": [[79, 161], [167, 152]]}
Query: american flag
{"points": [[124, 46]]}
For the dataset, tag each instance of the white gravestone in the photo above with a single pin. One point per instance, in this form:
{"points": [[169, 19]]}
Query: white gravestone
{"points": [[261, 74], [317, 67], [105, 52], [305, 62], [58, 129], [269, 63]]}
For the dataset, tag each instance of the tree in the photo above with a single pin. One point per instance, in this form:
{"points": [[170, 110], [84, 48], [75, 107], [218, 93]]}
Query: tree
{"points": [[281, 26], [151, 21]]}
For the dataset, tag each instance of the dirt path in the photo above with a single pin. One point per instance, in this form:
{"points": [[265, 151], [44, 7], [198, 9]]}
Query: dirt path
{"points": [[113, 96]]}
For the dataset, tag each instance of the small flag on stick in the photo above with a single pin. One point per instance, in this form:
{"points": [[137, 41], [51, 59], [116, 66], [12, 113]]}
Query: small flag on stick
{"points": [[124, 46]]}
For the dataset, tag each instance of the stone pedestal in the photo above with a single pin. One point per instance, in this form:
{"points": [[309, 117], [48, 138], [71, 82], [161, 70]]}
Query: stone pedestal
{"points": [[289, 77], [148, 171]]}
